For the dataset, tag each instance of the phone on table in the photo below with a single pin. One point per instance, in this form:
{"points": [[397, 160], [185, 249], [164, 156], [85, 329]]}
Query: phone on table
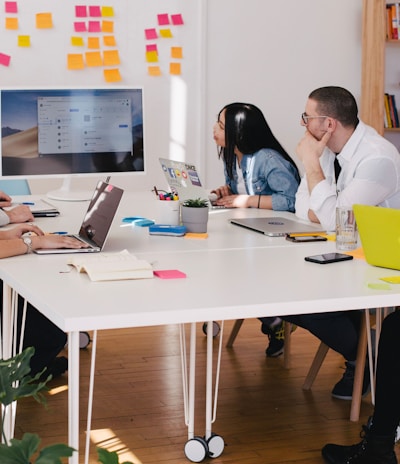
{"points": [[305, 238], [328, 258]]}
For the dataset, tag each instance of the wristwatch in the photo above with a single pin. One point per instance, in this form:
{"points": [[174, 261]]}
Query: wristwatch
{"points": [[28, 243]]}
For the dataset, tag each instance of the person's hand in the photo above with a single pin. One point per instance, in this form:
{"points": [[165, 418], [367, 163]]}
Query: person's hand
{"points": [[309, 149], [5, 200], [222, 191], [20, 213], [19, 230], [234, 201], [57, 241]]}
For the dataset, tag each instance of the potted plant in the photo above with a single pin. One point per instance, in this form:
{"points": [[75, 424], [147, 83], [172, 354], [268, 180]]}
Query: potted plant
{"points": [[16, 383], [194, 215]]}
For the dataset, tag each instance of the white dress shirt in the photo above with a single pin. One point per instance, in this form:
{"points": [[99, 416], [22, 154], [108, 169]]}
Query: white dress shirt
{"points": [[4, 219], [370, 175]]}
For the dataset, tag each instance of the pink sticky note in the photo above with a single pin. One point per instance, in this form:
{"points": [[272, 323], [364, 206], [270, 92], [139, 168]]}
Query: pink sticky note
{"points": [[11, 7], [94, 26], [170, 274], [5, 59], [177, 19], [79, 26], [163, 19], [95, 11], [80, 11], [150, 34], [151, 48]]}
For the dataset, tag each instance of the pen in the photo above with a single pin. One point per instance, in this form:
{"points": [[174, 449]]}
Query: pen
{"points": [[156, 191], [27, 203]]}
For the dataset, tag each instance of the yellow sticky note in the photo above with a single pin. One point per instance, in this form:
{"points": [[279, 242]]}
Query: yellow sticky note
{"points": [[154, 70], [166, 33], [196, 236], [377, 286], [112, 75], [75, 61], [93, 42], [107, 26], [152, 56], [24, 41], [111, 58], [109, 41], [175, 68], [176, 52], [93, 59], [107, 11], [44, 20], [77, 41], [391, 279], [12, 23]]}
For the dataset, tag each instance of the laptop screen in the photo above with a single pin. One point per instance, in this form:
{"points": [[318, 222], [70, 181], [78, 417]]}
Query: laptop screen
{"points": [[100, 214]]}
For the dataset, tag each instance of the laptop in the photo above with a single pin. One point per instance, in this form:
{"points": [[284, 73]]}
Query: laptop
{"points": [[97, 221], [277, 226], [379, 230], [184, 179]]}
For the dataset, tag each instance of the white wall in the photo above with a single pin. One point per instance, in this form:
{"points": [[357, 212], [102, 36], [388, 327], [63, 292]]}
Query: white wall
{"points": [[267, 52]]}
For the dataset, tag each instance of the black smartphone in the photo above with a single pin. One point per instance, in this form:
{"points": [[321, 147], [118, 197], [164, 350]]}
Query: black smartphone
{"points": [[328, 258], [305, 238]]}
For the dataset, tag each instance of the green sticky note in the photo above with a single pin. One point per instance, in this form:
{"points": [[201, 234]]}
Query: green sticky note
{"points": [[378, 286]]}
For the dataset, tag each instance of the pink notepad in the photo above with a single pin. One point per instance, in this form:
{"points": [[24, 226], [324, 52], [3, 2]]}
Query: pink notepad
{"points": [[170, 274]]}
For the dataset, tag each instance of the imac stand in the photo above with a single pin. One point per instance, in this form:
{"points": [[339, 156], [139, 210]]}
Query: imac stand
{"points": [[65, 193]]}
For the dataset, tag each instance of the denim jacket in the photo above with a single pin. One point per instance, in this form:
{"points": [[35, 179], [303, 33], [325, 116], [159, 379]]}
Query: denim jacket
{"points": [[266, 172]]}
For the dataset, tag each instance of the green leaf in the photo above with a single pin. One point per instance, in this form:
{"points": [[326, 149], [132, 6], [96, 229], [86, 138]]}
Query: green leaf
{"points": [[19, 451], [52, 454], [108, 457]]}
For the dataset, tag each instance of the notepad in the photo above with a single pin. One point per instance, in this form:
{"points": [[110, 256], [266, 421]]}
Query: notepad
{"points": [[112, 266]]}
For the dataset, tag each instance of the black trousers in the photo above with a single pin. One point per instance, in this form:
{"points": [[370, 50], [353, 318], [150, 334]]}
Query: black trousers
{"points": [[47, 339]]}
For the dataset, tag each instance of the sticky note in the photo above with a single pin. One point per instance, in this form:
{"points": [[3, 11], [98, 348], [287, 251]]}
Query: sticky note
{"points": [[170, 274], [93, 59], [111, 58], [77, 41], [176, 52], [24, 41], [377, 286], [391, 280], [196, 236], [94, 11], [151, 48], [163, 19], [154, 71], [79, 26], [152, 57], [80, 11], [150, 34], [75, 61], [107, 11], [112, 75], [12, 23], [109, 41], [175, 69], [44, 20], [177, 19], [107, 26], [5, 59], [166, 33], [93, 42], [11, 7], [94, 26]]}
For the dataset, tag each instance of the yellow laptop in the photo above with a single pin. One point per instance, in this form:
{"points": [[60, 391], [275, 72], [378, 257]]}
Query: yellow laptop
{"points": [[379, 230]]}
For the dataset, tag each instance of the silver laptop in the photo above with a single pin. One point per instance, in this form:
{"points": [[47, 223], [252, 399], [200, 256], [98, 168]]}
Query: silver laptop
{"points": [[97, 221], [276, 226]]}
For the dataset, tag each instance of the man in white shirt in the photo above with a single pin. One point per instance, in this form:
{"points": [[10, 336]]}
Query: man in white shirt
{"points": [[370, 174]]}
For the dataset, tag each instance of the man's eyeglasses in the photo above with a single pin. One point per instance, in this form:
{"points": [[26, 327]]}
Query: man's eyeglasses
{"points": [[305, 118]]}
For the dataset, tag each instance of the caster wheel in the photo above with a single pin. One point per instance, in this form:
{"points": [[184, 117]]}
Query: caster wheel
{"points": [[216, 446], [216, 328], [196, 449], [84, 340]]}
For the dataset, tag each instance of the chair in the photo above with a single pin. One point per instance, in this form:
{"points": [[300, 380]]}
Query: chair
{"points": [[15, 187]]}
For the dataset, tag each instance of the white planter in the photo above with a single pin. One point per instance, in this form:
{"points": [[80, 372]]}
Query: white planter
{"points": [[195, 219]]}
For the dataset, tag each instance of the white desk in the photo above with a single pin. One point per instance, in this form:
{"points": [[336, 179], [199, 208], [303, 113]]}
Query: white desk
{"points": [[232, 275]]}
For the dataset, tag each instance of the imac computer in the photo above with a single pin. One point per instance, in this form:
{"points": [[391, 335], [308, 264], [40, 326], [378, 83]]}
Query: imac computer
{"points": [[69, 132]]}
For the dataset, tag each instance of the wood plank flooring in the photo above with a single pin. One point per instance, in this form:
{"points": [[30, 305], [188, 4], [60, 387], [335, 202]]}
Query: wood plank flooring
{"points": [[263, 414]]}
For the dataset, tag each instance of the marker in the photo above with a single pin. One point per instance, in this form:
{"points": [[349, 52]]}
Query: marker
{"points": [[27, 203], [59, 233]]}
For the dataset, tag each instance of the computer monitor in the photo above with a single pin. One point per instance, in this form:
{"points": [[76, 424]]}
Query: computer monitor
{"points": [[69, 132]]}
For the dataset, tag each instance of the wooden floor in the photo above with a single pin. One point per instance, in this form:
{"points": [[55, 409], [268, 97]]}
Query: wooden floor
{"points": [[263, 414]]}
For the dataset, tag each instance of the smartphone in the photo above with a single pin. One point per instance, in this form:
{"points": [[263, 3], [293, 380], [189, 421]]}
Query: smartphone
{"points": [[305, 238], [328, 258]]}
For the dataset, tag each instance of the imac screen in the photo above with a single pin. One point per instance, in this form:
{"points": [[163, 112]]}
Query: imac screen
{"points": [[71, 131]]}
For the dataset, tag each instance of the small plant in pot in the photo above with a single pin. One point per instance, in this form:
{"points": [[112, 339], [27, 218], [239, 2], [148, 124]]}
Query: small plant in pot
{"points": [[195, 215]]}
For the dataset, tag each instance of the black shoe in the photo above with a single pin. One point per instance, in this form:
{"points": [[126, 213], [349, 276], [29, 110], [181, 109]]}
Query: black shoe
{"points": [[343, 390], [371, 450], [276, 338], [56, 368]]}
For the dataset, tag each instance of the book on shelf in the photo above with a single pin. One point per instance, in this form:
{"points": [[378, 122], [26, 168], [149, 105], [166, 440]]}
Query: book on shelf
{"points": [[393, 21], [391, 117], [112, 266]]}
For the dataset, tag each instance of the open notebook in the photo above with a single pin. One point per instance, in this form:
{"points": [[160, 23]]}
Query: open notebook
{"points": [[97, 221]]}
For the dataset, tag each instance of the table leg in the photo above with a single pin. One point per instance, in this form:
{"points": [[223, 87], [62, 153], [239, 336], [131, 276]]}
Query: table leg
{"points": [[73, 395]]}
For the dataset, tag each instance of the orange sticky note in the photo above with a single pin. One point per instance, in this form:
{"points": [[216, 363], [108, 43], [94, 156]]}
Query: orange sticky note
{"points": [[93, 42], [107, 11], [93, 59], [166, 33], [154, 70], [109, 41], [111, 58], [75, 61], [77, 41], [112, 75], [44, 20], [176, 52], [107, 26], [152, 57], [12, 23], [24, 41], [175, 69]]}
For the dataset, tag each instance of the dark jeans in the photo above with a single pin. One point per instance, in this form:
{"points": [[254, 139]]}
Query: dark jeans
{"points": [[47, 339]]}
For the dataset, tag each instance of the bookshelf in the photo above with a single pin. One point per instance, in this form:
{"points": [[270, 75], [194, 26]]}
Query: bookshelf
{"points": [[380, 72]]}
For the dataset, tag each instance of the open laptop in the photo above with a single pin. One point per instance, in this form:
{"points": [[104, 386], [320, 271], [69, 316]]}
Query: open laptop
{"points": [[97, 221], [276, 226], [379, 230]]}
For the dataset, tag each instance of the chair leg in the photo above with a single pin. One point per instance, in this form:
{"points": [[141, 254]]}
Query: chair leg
{"points": [[288, 344], [315, 366], [234, 332], [359, 372]]}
